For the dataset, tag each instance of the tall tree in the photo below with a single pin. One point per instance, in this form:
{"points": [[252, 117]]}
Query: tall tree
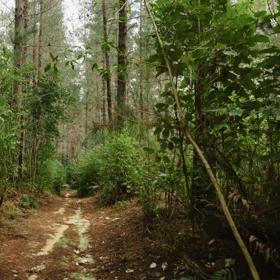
{"points": [[20, 58], [122, 61], [20, 12], [141, 81], [106, 49], [35, 41], [39, 67]]}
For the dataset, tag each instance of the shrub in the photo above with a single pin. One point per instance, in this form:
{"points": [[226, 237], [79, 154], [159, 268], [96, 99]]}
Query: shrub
{"points": [[27, 202], [121, 167], [88, 171], [115, 166], [71, 172], [162, 184], [52, 175]]}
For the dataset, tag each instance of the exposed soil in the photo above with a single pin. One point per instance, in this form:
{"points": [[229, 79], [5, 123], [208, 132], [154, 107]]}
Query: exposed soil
{"points": [[68, 238], [71, 238]]}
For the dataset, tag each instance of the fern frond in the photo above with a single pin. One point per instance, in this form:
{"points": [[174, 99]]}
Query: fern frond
{"points": [[225, 274]]}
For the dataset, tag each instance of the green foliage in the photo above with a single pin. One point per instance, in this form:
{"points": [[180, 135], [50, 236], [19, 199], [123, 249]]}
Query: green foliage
{"points": [[222, 274], [121, 167], [88, 171], [11, 210], [52, 175], [27, 202], [8, 127], [228, 70], [48, 103], [114, 165], [225, 274], [159, 176], [45, 104]]}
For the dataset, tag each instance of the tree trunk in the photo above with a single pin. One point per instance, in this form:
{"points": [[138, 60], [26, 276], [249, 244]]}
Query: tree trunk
{"points": [[18, 50], [20, 56], [25, 30], [86, 113], [122, 62], [40, 38], [103, 102], [141, 89], [35, 43], [107, 62]]}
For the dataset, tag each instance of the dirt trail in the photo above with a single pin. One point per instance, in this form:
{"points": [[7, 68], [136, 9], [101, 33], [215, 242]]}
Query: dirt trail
{"points": [[77, 239], [52, 243]]}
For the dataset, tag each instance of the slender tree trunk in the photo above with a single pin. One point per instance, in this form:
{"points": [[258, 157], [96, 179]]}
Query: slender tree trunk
{"points": [[122, 62], [35, 43], [31, 167], [86, 113], [25, 30], [20, 55], [18, 50], [40, 38], [22, 119], [107, 62], [104, 102], [141, 89], [88, 94]]}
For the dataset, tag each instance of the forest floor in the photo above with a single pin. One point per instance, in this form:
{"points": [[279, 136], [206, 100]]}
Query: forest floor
{"points": [[71, 238]]}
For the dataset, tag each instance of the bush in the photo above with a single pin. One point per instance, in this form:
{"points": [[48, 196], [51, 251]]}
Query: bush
{"points": [[27, 202], [150, 191], [115, 166], [52, 175], [121, 168], [88, 171], [71, 171], [162, 186]]}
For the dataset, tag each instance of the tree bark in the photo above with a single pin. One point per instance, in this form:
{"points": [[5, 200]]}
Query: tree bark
{"points": [[122, 62], [107, 63], [20, 56], [39, 67], [35, 43], [141, 88], [103, 101], [18, 50]]}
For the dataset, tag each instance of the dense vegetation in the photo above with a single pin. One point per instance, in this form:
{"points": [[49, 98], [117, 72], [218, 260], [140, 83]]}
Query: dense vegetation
{"points": [[206, 70]]}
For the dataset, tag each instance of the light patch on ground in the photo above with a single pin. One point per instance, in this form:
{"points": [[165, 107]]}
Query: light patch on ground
{"points": [[53, 240], [33, 277], [60, 211], [63, 242], [82, 226], [81, 276], [85, 260]]}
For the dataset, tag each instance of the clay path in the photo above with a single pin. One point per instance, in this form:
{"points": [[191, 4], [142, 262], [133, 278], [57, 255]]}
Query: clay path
{"points": [[76, 239]]}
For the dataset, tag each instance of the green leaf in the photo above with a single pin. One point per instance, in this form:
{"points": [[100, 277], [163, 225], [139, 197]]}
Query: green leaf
{"points": [[161, 107], [273, 157], [48, 67], [149, 150], [212, 109], [166, 133], [94, 66], [261, 38], [221, 126]]}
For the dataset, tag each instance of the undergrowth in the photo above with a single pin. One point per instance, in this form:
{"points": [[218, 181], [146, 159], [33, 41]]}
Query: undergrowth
{"points": [[114, 166]]}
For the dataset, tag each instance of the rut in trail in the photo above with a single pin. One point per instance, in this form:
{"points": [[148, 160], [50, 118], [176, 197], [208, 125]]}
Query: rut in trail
{"points": [[70, 234]]}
